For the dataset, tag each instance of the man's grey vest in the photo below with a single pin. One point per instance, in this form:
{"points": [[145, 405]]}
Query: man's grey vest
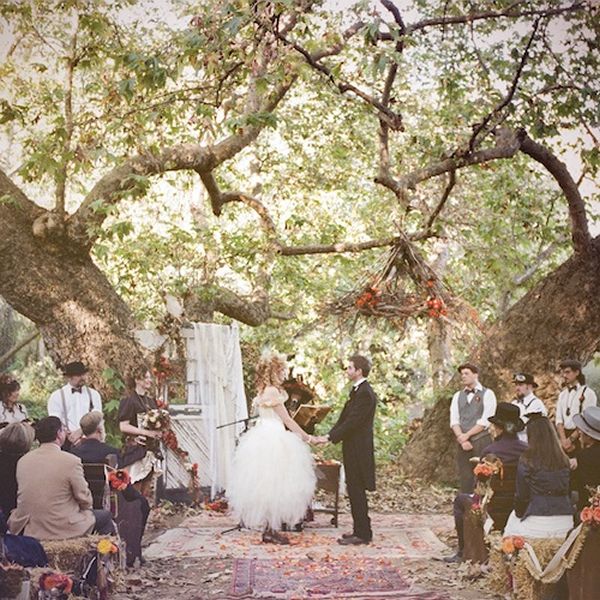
{"points": [[470, 412]]}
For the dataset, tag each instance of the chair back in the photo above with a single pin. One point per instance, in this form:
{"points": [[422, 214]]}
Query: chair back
{"points": [[95, 475], [502, 502]]}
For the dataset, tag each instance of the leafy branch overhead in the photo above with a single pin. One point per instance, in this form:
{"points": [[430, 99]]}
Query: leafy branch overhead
{"points": [[416, 103]]}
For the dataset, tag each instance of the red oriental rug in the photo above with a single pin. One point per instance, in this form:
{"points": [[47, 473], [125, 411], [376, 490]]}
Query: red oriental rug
{"points": [[305, 579]]}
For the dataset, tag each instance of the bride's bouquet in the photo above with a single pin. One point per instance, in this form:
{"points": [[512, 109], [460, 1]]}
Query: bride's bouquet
{"points": [[156, 419]]}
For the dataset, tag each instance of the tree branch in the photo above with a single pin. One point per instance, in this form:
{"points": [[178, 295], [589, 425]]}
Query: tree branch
{"points": [[61, 176], [506, 13], [580, 235], [511, 92], [433, 216], [13, 198]]}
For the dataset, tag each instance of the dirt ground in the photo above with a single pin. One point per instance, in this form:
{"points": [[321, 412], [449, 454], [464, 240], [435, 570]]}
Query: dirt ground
{"points": [[209, 576]]}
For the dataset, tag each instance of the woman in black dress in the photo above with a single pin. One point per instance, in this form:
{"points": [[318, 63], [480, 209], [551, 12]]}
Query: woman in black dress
{"points": [[136, 458]]}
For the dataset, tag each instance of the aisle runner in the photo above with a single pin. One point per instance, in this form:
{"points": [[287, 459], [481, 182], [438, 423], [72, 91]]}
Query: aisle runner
{"points": [[307, 579]]}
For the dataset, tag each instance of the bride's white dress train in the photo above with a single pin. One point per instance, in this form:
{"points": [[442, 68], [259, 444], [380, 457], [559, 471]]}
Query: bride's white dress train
{"points": [[273, 475]]}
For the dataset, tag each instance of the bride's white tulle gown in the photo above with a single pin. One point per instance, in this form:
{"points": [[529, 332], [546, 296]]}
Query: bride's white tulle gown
{"points": [[273, 475]]}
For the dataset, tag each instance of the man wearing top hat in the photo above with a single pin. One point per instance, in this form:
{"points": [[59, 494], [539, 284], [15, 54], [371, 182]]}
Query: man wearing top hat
{"points": [[587, 463], [526, 400], [470, 410], [572, 400], [73, 400]]}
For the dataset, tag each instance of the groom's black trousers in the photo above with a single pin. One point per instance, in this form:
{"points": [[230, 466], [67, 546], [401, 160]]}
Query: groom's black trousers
{"points": [[360, 510]]}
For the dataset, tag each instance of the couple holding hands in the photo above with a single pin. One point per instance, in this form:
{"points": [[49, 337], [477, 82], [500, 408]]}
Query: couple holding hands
{"points": [[273, 478]]}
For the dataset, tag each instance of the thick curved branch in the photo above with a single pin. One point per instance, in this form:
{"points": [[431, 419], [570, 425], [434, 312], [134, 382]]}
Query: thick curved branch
{"points": [[580, 234], [13, 199], [212, 298]]}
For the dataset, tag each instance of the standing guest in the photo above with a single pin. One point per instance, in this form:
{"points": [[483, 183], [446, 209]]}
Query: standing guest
{"points": [[572, 400], [587, 463], [133, 507], [354, 429], [73, 400], [140, 462], [15, 441], [11, 411], [542, 503], [505, 426], [470, 410], [54, 501], [526, 400], [92, 448]]}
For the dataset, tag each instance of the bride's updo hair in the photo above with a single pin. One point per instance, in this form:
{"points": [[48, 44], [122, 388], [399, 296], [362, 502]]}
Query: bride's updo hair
{"points": [[270, 370]]}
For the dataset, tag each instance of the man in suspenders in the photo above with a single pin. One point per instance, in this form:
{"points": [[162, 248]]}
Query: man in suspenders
{"points": [[526, 400], [73, 400], [470, 409], [572, 400]]}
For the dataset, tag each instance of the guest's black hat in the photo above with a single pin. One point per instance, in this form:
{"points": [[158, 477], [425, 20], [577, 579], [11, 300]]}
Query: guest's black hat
{"points": [[507, 413], [74, 368], [524, 378], [589, 421], [571, 364]]}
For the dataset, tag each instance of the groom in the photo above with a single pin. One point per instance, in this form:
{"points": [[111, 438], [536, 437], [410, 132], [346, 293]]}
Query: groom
{"points": [[355, 430]]}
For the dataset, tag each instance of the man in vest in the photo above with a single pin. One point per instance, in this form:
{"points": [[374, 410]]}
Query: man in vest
{"points": [[526, 400], [73, 400], [470, 410], [572, 400]]}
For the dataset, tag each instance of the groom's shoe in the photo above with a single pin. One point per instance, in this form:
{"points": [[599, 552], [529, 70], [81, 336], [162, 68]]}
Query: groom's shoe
{"points": [[353, 540], [348, 535]]}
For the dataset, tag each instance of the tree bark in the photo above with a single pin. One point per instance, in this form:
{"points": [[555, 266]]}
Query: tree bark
{"points": [[59, 288], [559, 318]]}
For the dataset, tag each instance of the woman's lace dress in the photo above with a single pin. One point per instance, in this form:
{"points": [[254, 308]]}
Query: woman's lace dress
{"points": [[273, 475]]}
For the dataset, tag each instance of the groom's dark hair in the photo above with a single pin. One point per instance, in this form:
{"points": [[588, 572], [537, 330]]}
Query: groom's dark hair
{"points": [[362, 363]]}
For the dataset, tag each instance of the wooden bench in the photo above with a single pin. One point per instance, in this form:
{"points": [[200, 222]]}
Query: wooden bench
{"points": [[97, 478]]}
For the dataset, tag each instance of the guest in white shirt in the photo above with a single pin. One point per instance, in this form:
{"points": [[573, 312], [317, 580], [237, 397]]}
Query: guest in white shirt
{"points": [[526, 400], [470, 410], [73, 400], [573, 399]]}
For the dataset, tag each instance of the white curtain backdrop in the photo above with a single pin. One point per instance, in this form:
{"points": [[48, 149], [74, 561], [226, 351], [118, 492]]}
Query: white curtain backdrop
{"points": [[216, 383]]}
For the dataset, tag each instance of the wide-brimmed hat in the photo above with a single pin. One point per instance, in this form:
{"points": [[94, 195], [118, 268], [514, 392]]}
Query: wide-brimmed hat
{"points": [[589, 421], [507, 413], [524, 378], [74, 368]]}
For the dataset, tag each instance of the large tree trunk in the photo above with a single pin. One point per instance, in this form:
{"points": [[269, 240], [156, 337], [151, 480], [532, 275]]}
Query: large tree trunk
{"points": [[56, 285], [557, 319]]}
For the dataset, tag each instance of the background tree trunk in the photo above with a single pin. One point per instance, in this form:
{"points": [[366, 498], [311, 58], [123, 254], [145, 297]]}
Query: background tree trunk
{"points": [[559, 318], [58, 287]]}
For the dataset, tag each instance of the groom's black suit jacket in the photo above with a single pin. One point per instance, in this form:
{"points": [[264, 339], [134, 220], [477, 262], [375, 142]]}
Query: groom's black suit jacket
{"points": [[354, 429]]}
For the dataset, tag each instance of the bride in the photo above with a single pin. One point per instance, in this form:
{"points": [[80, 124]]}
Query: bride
{"points": [[273, 479]]}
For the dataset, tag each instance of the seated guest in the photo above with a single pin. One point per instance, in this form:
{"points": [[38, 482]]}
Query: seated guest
{"points": [[92, 448], [54, 501], [134, 511], [587, 462], [504, 428], [10, 409], [542, 503], [15, 441]]}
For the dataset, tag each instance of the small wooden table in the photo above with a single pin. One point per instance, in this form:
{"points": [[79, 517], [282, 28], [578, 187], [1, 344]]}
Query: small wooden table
{"points": [[328, 479]]}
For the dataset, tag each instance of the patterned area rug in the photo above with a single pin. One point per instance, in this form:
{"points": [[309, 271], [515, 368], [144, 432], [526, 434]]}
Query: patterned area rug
{"points": [[305, 579]]}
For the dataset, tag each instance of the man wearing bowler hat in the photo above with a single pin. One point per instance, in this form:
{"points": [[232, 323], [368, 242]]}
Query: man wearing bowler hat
{"points": [[526, 400], [572, 400], [73, 400], [587, 463]]}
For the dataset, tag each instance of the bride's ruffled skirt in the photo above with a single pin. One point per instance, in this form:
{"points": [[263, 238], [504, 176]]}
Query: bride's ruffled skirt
{"points": [[273, 477]]}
